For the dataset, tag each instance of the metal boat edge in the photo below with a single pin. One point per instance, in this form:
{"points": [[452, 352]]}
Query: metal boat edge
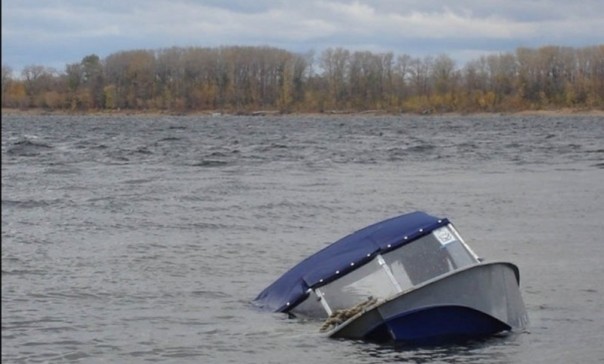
{"points": [[466, 303]]}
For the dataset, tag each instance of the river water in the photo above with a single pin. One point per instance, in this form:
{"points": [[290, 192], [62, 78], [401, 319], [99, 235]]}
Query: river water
{"points": [[131, 239]]}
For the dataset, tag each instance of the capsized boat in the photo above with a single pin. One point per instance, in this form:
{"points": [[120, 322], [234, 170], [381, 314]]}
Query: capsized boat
{"points": [[408, 279]]}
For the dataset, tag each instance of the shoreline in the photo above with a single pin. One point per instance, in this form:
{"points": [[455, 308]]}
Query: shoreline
{"points": [[274, 113]]}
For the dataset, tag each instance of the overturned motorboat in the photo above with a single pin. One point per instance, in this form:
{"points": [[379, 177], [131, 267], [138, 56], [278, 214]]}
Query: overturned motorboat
{"points": [[409, 279]]}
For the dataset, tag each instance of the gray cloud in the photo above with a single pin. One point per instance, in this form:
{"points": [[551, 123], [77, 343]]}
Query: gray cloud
{"points": [[57, 32]]}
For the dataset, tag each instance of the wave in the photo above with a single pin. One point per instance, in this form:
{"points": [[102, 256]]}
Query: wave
{"points": [[209, 163], [28, 204], [27, 148]]}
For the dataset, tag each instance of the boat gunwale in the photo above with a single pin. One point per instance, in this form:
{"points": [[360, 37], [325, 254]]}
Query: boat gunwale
{"points": [[422, 285]]}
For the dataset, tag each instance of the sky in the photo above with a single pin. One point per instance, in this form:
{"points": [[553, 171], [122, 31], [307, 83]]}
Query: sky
{"points": [[54, 33]]}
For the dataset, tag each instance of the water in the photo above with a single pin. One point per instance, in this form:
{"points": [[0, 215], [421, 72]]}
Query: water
{"points": [[144, 239]]}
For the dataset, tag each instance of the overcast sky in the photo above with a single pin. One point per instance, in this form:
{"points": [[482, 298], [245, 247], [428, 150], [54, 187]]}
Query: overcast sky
{"points": [[54, 33]]}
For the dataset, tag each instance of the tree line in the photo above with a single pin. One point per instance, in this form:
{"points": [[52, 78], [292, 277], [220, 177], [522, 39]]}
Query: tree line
{"points": [[241, 79]]}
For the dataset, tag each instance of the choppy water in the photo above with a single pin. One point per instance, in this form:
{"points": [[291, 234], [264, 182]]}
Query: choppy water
{"points": [[134, 239]]}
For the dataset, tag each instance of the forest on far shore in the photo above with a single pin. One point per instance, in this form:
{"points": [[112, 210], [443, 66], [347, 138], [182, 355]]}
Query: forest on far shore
{"points": [[244, 79]]}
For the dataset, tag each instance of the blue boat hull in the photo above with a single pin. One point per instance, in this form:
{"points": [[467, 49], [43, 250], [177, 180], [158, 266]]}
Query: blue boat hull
{"points": [[475, 302], [436, 325]]}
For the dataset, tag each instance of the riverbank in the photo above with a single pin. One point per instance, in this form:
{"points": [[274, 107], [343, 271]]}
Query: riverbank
{"points": [[155, 113]]}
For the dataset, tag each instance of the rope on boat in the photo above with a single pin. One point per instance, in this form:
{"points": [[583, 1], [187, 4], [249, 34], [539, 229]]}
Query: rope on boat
{"points": [[339, 316]]}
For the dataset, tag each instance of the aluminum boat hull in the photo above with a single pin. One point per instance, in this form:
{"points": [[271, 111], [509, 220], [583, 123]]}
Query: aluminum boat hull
{"points": [[477, 301]]}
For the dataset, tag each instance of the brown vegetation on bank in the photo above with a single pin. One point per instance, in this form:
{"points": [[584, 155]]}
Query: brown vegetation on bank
{"points": [[268, 81]]}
